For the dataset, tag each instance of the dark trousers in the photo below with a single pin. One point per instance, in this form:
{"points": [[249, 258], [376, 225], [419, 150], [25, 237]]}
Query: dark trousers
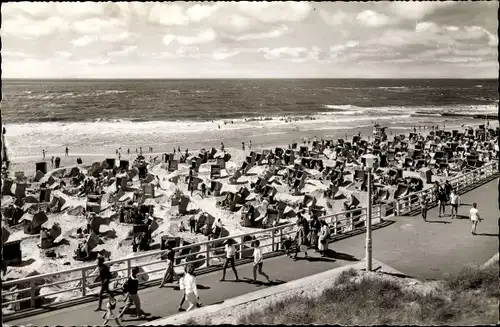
{"points": [[192, 228], [104, 288], [226, 264], [424, 212]]}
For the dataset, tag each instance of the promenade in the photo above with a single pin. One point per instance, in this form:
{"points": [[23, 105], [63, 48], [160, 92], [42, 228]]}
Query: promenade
{"points": [[423, 250]]}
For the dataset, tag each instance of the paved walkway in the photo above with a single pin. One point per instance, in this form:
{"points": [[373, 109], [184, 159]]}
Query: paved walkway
{"points": [[421, 250]]}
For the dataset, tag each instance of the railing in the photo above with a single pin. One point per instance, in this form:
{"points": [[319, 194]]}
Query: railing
{"points": [[208, 253], [201, 255], [410, 202]]}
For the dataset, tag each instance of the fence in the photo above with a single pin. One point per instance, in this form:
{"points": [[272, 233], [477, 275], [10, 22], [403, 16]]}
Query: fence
{"points": [[205, 254], [410, 202]]}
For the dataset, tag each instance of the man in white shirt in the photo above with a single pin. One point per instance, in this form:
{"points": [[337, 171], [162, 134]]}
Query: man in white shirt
{"points": [[455, 203], [257, 261], [230, 254], [474, 217], [190, 288]]}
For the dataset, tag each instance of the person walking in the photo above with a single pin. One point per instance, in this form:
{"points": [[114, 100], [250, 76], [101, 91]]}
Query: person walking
{"points": [[442, 202], [43, 153], [110, 314], [423, 205], [301, 239], [324, 237], [168, 276], [455, 203], [447, 190], [315, 227], [190, 288], [475, 218], [105, 277], [181, 287], [131, 287], [230, 254], [257, 261]]}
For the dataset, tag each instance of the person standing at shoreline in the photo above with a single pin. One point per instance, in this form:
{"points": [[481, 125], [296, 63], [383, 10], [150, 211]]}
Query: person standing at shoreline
{"points": [[52, 161], [230, 254], [43, 153], [475, 218], [66, 151]]}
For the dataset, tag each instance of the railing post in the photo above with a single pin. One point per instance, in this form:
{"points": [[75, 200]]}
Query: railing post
{"points": [[335, 223], [241, 247], [281, 237], [351, 219], [84, 282], [32, 294], [272, 240], [129, 267], [207, 254], [398, 209]]}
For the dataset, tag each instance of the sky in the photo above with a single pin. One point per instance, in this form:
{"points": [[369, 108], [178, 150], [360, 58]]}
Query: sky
{"points": [[250, 40]]}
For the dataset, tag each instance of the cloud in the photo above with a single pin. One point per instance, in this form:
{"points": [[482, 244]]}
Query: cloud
{"points": [[13, 54], [272, 12], [96, 25], [417, 10], [201, 12], [115, 37], [224, 54], [205, 36], [125, 51], [372, 18], [168, 14], [337, 18], [23, 27], [275, 33], [82, 41], [342, 47], [427, 26], [63, 54]]}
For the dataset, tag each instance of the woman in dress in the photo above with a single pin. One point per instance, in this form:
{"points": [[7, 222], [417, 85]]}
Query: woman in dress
{"points": [[324, 235]]}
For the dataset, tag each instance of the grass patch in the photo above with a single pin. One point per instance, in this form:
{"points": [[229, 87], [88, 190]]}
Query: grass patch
{"points": [[470, 297]]}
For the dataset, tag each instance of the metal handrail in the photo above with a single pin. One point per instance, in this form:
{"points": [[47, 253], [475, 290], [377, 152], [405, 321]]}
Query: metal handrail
{"points": [[335, 221]]}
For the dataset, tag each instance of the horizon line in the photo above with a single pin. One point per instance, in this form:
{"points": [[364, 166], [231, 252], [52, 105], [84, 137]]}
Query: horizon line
{"points": [[250, 78]]}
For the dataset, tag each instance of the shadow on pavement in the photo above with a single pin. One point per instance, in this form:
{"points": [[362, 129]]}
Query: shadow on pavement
{"points": [[319, 259], [438, 222], [263, 283], [487, 234], [462, 217], [341, 256]]}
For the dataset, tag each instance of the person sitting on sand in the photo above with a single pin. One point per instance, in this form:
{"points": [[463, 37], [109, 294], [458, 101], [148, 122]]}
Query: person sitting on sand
{"points": [[182, 228]]}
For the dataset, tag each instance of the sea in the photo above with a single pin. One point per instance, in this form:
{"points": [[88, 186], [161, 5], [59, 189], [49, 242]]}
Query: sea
{"points": [[107, 114]]}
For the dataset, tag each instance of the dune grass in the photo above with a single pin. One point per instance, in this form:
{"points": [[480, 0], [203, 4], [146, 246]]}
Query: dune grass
{"points": [[468, 298]]}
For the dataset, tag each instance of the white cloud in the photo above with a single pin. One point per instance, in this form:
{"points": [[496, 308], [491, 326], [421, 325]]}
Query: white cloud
{"points": [[82, 41], [96, 25], [92, 62], [115, 37], [335, 49], [337, 18], [26, 28], [127, 50], [452, 28], [372, 18], [271, 12], [200, 12], [223, 54], [416, 10], [79, 9], [13, 54], [34, 9], [277, 53], [168, 14], [275, 33], [206, 36], [63, 54], [426, 27]]}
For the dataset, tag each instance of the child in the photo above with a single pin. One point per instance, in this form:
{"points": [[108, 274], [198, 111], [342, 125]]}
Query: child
{"points": [[287, 245], [181, 286], [474, 217], [109, 314]]}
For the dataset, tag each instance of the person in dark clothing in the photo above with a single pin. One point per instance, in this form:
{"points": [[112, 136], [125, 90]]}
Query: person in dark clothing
{"points": [[105, 277], [315, 227], [168, 276], [442, 202], [192, 224], [131, 287]]}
